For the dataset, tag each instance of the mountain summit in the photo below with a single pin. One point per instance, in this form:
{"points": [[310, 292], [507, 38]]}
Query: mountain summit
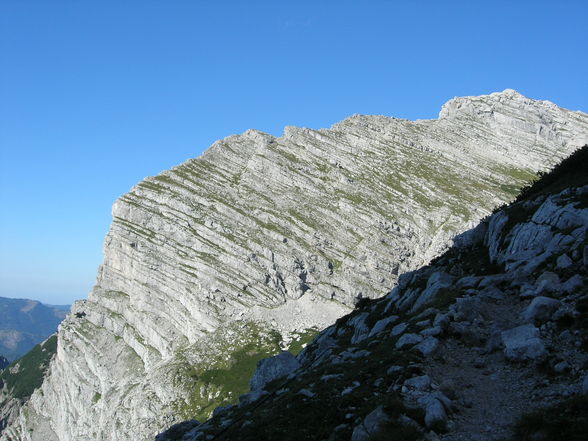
{"points": [[252, 247]]}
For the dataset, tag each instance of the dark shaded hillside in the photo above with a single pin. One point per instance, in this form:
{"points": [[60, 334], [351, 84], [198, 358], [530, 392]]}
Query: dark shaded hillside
{"points": [[25, 323], [488, 342]]}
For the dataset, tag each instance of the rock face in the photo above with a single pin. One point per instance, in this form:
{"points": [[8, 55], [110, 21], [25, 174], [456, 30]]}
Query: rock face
{"points": [[491, 367], [285, 233]]}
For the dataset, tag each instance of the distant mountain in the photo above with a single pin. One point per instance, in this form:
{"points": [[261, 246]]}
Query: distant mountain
{"points": [[25, 323]]}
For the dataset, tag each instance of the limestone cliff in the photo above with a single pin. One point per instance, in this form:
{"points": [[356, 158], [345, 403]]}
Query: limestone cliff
{"points": [[261, 234], [489, 342]]}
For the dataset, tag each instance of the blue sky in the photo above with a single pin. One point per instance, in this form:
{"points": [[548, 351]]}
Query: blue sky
{"points": [[96, 95]]}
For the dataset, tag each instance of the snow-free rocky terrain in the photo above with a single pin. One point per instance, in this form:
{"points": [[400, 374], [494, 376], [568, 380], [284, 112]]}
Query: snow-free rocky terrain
{"points": [[261, 241], [488, 342]]}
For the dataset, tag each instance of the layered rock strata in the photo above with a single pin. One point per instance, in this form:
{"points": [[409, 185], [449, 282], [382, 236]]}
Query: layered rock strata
{"points": [[488, 342], [278, 234]]}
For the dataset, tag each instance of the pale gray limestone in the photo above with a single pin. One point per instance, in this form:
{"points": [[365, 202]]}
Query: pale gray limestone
{"points": [[288, 232]]}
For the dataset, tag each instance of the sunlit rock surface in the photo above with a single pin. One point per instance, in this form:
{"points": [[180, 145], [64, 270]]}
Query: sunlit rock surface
{"points": [[286, 233]]}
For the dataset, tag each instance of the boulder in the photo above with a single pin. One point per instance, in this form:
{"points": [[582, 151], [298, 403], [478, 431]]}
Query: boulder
{"points": [[548, 282], [433, 331], [541, 309], [572, 284], [398, 329], [467, 309], [370, 425], [441, 320], [564, 261], [420, 383], [361, 328], [523, 343], [468, 282], [408, 340], [272, 368], [382, 324], [427, 346], [437, 281], [435, 415], [492, 293]]}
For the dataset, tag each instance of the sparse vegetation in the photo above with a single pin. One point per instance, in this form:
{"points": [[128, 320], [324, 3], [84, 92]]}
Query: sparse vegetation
{"points": [[26, 374]]}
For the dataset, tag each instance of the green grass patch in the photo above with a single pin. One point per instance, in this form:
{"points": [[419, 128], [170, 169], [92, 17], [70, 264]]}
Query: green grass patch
{"points": [[30, 369], [303, 339]]}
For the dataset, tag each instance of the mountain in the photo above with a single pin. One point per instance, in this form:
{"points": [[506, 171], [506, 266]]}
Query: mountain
{"points": [[261, 242], [25, 323], [488, 342], [20, 379]]}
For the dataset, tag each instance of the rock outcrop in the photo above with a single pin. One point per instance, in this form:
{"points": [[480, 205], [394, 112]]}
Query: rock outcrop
{"points": [[500, 363], [205, 262]]}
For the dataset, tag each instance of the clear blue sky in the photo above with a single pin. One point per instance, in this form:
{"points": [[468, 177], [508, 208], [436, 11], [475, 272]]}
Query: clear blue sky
{"points": [[96, 95]]}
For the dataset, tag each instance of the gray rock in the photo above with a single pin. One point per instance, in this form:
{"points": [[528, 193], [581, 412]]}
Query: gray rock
{"points": [[433, 332], [564, 261], [371, 425], [394, 370], [436, 282], [585, 256], [548, 276], [439, 395], [272, 368], [420, 383], [492, 293], [381, 325], [561, 367], [468, 282], [548, 286], [408, 340], [541, 309], [427, 346], [435, 415], [523, 343], [585, 385], [441, 320], [573, 284], [361, 328], [307, 393], [467, 309], [398, 329]]}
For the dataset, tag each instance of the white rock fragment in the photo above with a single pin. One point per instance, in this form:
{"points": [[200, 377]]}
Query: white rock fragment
{"points": [[523, 343]]}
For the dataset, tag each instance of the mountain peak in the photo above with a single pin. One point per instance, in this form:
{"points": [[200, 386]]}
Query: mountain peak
{"points": [[260, 242]]}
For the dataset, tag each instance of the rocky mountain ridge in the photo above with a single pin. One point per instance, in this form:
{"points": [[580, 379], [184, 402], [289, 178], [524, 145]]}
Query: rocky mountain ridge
{"points": [[489, 342], [233, 256]]}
